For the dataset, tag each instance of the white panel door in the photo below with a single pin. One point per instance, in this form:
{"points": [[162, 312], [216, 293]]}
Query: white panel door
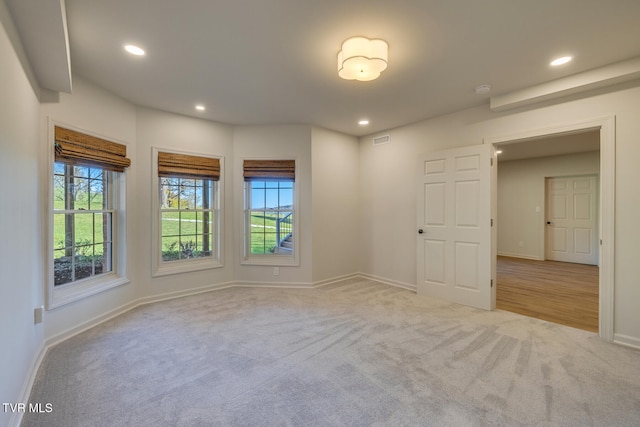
{"points": [[456, 258], [572, 234]]}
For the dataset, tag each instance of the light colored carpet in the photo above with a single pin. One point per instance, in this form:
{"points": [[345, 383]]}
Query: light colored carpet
{"points": [[356, 353]]}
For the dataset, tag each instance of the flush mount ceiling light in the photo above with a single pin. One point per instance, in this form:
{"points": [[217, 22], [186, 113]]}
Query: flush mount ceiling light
{"points": [[363, 122], [362, 59], [560, 61], [134, 50], [200, 107]]}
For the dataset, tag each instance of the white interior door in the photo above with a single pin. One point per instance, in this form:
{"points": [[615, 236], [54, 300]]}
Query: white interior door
{"points": [[456, 254], [571, 216]]}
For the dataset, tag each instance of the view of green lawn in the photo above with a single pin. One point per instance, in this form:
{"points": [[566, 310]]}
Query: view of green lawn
{"points": [[186, 228]]}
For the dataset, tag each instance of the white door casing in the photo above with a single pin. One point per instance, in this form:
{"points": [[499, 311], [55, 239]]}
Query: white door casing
{"points": [[571, 219], [455, 250]]}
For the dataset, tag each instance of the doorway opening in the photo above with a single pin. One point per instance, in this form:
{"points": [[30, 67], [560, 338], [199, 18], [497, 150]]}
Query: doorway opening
{"points": [[522, 256]]}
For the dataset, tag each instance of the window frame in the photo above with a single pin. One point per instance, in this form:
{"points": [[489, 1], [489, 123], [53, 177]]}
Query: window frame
{"points": [[160, 267], [269, 259], [57, 296]]}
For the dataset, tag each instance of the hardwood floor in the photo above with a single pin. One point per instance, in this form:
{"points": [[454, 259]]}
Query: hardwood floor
{"points": [[558, 292]]}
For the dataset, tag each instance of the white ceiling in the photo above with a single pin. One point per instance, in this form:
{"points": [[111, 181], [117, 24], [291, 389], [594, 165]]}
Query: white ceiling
{"points": [[556, 145], [274, 61]]}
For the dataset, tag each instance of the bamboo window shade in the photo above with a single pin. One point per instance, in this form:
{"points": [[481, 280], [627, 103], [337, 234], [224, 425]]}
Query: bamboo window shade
{"points": [[186, 166], [77, 148], [255, 170]]}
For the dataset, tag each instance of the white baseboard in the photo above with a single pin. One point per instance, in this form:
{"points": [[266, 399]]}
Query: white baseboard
{"points": [[290, 285], [408, 286], [16, 417], [336, 279], [179, 294], [627, 341], [511, 255]]}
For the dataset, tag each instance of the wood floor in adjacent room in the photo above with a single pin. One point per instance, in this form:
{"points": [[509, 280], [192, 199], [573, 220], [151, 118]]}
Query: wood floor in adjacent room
{"points": [[558, 292]]}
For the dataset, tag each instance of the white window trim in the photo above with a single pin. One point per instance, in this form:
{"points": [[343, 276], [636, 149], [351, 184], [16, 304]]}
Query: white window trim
{"points": [[275, 260], [160, 268], [58, 296]]}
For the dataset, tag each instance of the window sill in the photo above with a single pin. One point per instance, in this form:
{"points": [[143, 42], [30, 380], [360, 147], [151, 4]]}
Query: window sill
{"points": [[272, 260], [177, 267], [66, 294]]}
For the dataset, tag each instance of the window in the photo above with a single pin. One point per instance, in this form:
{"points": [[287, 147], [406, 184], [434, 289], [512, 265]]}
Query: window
{"points": [[270, 220], [189, 214], [82, 222], [87, 184]]}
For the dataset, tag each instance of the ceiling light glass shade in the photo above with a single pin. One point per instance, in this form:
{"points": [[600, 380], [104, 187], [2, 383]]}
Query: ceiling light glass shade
{"points": [[362, 59]]}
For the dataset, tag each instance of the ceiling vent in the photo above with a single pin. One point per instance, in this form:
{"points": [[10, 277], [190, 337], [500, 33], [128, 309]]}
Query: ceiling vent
{"points": [[379, 140]]}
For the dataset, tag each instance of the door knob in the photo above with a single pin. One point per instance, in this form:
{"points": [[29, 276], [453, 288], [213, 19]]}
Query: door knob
{"points": [[420, 231]]}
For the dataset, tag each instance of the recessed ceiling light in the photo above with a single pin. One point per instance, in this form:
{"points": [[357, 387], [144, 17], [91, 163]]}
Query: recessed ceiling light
{"points": [[200, 107], [482, 89], [560, 61], [134, 50], [363, 122], [498, 151]]}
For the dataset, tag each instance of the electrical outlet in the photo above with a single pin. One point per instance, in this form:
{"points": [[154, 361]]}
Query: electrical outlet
{"points": [[38, 312], [276, 271]]}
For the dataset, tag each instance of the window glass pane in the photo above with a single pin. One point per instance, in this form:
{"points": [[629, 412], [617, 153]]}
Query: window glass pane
{"points": [[97, 196], [170, 223], [83, 267], [257, 243], [187, 223], [170, 248], [83, 230], [171, 197], [187, 194], [58, 192], [81, 171], [270, 226], [81, 193], [257, 198], [58, 231], [286, 197], [101, 227], [187, 228], [271, 198], [95, 173], [199, 197], [187, 247], [62, 268]]}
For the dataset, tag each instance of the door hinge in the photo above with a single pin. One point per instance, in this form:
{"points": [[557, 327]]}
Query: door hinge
{"points": [[491, 161], [492, 283], [492, 222]]}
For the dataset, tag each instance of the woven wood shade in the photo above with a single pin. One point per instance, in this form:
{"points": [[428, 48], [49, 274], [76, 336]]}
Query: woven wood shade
{"points": [[255, 170], [77, 148], [184, 166]]}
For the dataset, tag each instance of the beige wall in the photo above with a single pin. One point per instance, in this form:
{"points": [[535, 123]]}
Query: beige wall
{"points": [[334, 210], [521, 199], [21, 221], [201, 137], [98, 112], [286, 142], [388, 188]]}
